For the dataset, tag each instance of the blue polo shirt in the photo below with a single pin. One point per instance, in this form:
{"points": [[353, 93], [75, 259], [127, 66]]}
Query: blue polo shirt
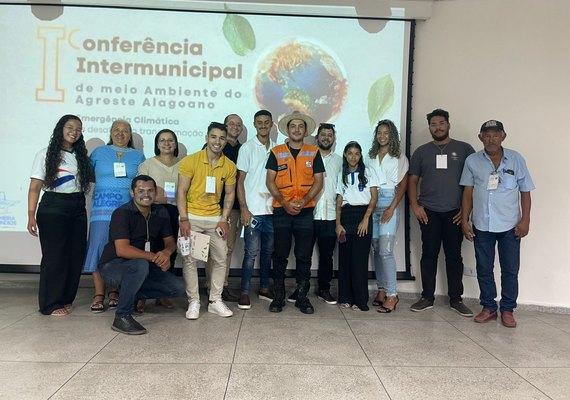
{"points": [[496, 210]]}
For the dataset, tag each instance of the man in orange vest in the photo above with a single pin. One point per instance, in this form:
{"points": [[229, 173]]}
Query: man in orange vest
{"points": [[294, 177]]}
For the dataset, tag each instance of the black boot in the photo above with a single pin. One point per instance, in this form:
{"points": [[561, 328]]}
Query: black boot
{"points": [[303, 302], [279, 300]]}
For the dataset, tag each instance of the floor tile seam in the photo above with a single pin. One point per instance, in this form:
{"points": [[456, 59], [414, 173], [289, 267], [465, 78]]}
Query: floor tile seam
{"points": [[311, 364], [65, 383], [237, 339], [439, 366], [530, 383], [13, 323], [479, 345]]}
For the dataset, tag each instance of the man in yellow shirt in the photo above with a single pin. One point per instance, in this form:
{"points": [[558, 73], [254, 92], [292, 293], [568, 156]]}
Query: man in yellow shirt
{"points": [[201, 178]]}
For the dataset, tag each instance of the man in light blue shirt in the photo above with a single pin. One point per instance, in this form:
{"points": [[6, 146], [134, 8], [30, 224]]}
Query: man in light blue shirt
{"points": [[497, 194]]}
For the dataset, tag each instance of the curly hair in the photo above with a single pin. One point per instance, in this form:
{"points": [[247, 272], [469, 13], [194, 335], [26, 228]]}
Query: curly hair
{"points": [[53, 156], [393, 140], [362, 180]]}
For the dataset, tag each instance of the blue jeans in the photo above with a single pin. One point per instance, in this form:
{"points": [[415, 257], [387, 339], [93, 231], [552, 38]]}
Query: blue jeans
{"points": [[509, 259], [257, 241], [383, 239], [139, 279]]}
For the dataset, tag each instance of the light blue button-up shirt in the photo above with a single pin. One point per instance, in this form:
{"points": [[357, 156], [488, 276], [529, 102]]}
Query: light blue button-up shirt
{"points": [[496, 210]]}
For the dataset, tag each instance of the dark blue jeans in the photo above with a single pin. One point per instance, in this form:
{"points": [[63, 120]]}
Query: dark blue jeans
{"points": [[139, 279], [258, 241], [509, 259]]}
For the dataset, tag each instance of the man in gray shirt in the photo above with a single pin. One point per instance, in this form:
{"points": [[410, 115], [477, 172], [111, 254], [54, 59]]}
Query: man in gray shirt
{"points": [[439, 164]]}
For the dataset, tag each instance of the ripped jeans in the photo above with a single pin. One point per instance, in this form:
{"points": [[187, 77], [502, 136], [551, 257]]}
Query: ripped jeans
{"points": [[383, 240]]}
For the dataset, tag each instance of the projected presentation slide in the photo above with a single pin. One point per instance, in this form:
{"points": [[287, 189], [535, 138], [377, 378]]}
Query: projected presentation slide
{"points": [[183, 70]]}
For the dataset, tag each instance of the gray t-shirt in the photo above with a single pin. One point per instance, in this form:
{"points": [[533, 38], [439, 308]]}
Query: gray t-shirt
{"points": [[439, 187]]}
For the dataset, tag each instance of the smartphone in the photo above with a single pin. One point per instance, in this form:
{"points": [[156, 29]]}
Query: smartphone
{"points": [[220, 231], [342, 237], [253, 223]]}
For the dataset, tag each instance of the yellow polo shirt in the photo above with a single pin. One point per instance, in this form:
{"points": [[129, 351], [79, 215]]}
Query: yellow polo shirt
{"points": [[197, 167]]}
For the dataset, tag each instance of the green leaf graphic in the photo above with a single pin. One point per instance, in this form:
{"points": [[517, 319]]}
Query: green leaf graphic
{"points": [[239, 34], [380, 98]]}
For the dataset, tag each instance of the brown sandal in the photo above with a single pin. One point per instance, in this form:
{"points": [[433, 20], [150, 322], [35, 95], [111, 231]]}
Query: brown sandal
{"points": [[141, 306], [380, 297], [113, 300], [97, 306], [389, 304]]}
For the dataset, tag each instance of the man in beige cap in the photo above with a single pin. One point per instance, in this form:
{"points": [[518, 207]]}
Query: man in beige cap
{"points": [[294, 177]]}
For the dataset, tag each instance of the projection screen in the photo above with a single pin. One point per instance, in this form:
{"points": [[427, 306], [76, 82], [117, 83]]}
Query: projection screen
{"points": [[181, 70]]}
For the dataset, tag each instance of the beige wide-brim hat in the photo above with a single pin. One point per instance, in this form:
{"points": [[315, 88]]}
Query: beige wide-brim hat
{"points": [[309, 122]]}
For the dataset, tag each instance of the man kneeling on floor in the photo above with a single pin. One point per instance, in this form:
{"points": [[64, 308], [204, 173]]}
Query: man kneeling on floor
{"points": [[137, 255]]}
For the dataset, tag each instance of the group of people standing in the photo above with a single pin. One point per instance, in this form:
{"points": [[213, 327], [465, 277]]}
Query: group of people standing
{"points": [[274, 193]]}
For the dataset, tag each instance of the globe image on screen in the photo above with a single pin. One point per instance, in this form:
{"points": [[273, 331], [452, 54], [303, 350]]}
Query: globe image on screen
{"points": [[301, 76]]}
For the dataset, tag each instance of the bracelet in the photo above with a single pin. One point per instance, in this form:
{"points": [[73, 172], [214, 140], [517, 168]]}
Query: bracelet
{"points": [[183, 219]]}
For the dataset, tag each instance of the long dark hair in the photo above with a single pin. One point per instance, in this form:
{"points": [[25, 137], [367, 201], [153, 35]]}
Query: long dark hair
{"points": [[362, 180], [156, 149], [53, 156], [393, 140]]}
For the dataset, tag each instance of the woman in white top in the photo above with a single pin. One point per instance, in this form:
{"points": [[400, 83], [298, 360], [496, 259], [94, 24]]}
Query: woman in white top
{"points": [[356, 197], [63, 170], [163, 168], [391, 166]]}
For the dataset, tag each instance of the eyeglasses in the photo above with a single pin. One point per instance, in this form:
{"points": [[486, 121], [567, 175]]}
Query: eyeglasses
{"points": [[70, 129], [162, 141]]}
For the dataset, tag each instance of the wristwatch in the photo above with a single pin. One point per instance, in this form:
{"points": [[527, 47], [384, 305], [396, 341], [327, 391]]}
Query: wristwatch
{"points": [[227, 219]]}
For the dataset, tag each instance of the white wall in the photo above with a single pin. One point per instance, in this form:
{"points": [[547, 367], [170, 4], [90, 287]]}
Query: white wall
{"points": [[507, 60]]}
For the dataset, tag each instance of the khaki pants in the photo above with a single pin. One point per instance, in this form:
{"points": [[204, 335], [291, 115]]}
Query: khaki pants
{"points": [[216, 258], [233, 233]]}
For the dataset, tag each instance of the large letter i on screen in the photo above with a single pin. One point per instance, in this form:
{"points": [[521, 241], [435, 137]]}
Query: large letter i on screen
{"points": [[51, 38]]}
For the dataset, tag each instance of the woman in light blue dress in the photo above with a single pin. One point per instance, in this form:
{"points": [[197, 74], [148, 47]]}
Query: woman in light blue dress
{"points": [[115, 164]]}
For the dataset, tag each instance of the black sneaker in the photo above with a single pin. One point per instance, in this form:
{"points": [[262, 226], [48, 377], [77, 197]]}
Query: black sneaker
{"points": [[268, 296], [304, 305], [244, 303], [422, 305], [461, 308], [227, 295], [326, 296], [293, 297], [277, 305], [127, 325]]}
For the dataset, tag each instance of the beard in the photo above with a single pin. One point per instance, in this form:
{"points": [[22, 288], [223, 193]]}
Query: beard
{"points": [[325, 147], [440, 138]]}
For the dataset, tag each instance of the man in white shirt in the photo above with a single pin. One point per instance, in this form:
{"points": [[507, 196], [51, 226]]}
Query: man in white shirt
{"points": [[256, 208], [325, 213]]}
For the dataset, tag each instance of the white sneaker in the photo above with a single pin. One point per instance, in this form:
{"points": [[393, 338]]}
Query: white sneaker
{"points": [[193, 309], [220, 308]]}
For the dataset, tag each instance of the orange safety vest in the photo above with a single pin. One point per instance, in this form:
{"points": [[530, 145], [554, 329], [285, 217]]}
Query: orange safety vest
{"points": [[294, 176]]}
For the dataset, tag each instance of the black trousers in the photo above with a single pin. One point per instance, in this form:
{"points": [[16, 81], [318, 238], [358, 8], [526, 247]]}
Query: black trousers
{"points": [[62, 224], [353, 256], [440, 228], [325, 237], [173, 214], [285, 227]]}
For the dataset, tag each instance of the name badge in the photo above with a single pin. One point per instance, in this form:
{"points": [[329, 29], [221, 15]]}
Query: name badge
{"points": [[493, 181], [210, 184], [120, 169], [441, 161], [170, 190], [147, 246]]}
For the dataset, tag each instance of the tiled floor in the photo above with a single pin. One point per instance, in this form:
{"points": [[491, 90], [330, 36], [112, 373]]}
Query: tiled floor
{"points": [[333, 354]]}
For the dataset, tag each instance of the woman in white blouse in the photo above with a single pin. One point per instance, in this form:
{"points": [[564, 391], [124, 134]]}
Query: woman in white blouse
{"points": [[391, 167]]}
